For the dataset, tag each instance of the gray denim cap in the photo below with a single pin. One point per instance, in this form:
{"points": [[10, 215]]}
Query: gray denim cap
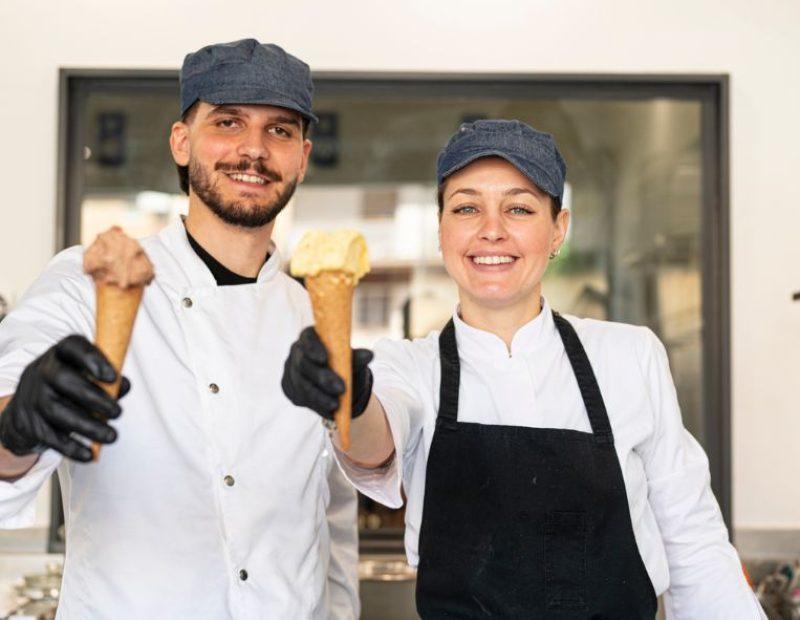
{"points": [[246, 72], [533, 153]]}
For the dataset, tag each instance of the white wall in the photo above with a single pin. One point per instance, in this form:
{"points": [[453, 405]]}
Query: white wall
{"points": [[758, 44]]}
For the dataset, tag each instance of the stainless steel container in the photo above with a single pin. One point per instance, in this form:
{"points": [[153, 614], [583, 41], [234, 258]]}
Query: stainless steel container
{"points": [[387, 588]]}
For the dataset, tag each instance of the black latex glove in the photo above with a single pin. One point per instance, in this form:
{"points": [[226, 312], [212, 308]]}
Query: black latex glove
{"points": [[57, 396], [308, 381]]}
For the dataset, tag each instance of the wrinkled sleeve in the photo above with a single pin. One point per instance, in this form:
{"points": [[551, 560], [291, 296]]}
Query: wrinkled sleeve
{"points": [[396, 386], [342, 517], [705, 572], [18, 499], [58, 303]]}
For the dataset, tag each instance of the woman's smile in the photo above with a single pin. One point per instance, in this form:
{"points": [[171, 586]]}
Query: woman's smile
{"points": [[492, 259]]}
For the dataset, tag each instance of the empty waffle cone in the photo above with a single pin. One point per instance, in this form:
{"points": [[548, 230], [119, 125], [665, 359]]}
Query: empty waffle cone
{"points": [[116, 313], [331, 295]]}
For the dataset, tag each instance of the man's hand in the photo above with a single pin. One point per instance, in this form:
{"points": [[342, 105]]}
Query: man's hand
{"points": [[308, 381], [56, 397]]}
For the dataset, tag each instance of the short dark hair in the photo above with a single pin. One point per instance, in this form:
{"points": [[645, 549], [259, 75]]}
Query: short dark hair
{"points": [[183, 171], [555, 205]]}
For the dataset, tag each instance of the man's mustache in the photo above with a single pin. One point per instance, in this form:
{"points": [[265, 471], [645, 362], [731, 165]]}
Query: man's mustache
{"points": [[251, 165]]}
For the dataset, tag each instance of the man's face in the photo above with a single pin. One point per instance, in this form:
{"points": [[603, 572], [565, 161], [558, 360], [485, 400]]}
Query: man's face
{"points": [[244, 161]]}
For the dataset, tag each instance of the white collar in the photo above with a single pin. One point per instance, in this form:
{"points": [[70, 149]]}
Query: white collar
{"points": [[474, 343], [174, 237]]}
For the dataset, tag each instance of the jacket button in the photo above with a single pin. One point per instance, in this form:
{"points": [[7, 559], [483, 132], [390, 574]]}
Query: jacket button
{"points": [[229, 480], [243, 575], [187, 302], [213, 388]]}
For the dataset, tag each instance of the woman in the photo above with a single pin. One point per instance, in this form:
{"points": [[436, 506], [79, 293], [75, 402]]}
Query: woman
{"points": [[547, 471]]}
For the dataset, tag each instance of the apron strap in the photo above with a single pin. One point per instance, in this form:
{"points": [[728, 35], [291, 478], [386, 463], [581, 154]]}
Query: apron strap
{"points": [[587, 383], [451, 376], [590, 391]]}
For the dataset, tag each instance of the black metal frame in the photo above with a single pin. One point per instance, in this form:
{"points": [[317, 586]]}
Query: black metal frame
{"points": [[712, 90]]}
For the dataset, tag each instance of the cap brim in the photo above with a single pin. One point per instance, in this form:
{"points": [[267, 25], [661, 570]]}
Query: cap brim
{"points": [[275, 99], [540, 179]]}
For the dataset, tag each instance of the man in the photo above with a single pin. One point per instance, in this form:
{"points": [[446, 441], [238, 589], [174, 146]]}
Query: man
{"points": [[212, 502]]}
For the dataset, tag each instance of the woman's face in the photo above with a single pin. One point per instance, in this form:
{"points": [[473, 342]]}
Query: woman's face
{"points": [[496, 233]]}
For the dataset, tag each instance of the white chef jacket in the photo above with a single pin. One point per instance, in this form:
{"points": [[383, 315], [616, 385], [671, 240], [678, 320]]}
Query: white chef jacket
{"points": [[676, 521], [214, 473]]}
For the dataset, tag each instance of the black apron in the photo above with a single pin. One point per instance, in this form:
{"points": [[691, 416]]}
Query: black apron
{"points": [[527, 522]]}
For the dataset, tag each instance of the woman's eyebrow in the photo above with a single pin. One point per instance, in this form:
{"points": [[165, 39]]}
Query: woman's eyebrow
{"points": [[464, 190], [516, 191]]}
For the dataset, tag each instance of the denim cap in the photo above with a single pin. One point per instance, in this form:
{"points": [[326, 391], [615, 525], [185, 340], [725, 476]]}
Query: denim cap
{"points": [[533, 153], [246, 72]]}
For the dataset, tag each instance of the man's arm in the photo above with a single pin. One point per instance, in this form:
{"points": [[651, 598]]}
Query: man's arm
{"points": [[342, 515], [13, 467], [58, 401]]}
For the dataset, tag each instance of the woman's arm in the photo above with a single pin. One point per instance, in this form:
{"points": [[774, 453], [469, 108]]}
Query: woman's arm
{"points": [[371, 443], [705, 572], [308, 381]]}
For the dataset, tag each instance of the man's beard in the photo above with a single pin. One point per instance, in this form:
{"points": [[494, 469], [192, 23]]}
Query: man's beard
{"points": [[235, 212]]}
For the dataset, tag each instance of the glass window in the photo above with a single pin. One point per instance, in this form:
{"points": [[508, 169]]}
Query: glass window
{"points": [[644, 164]]}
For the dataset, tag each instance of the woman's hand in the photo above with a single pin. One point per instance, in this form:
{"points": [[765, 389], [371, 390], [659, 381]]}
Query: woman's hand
{"points": [[308, 380]]}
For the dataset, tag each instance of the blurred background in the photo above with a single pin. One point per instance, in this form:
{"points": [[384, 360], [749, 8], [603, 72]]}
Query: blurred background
{"points": [[642, 161], [677, 123]]}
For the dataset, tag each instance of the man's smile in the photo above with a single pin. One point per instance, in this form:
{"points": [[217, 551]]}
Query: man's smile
{"points": [[247, 178]]}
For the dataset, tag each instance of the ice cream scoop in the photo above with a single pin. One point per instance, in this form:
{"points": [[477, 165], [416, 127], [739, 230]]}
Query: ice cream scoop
{"points": [[332, 263], [120, 270]]}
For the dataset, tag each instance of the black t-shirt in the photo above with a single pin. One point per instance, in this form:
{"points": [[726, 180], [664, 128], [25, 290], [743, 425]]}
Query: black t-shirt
{"points": [[223, 275]]}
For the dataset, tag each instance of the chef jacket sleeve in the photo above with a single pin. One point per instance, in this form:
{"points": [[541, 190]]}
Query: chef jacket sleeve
{"points": [[59, 303], [706, 577], [18, 499], [342, 517], [396, 385]]}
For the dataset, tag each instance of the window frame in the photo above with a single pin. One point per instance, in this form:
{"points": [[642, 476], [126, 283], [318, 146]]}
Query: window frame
{"points": [[711, 90]]}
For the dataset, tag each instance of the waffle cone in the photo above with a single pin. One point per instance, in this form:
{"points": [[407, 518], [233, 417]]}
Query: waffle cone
{"points": [[331, 295], [116, 312]]}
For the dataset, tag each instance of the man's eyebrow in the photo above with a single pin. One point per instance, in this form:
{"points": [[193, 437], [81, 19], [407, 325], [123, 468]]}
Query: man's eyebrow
{"points": [[226, 109], [287, 119]]}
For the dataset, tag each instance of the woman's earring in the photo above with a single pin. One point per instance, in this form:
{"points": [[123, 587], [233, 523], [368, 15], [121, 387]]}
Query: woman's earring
{"points": [[555, 253]]}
